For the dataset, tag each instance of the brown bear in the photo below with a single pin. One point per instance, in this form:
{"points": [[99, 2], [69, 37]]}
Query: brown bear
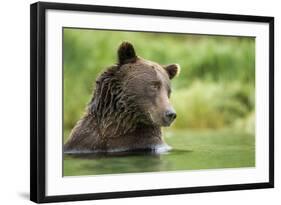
{"points": [[129, 105]]}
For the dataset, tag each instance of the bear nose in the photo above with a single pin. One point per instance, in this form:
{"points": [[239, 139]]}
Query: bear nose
{"points": [[170, 115]]}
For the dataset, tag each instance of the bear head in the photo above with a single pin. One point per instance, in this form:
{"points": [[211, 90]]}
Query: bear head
{"points": [[135, 91]]}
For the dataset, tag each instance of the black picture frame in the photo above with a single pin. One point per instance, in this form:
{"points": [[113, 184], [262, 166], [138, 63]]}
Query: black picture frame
{"points": [[38, 100]]}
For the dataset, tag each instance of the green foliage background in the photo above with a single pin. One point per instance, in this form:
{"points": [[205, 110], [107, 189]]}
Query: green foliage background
{"points": [[215, 88]]}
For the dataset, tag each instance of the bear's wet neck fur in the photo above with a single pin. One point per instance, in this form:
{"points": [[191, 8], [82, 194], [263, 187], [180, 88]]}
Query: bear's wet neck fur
{"points": [[119, 129], [140, 137], [112, 108]]}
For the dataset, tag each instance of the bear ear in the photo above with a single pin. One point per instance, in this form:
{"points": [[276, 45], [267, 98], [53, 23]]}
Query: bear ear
{"points": [[126, 52], [172, 70]]}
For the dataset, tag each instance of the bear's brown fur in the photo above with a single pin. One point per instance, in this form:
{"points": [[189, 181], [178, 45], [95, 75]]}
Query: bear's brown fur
{"points": [[128, 107]]}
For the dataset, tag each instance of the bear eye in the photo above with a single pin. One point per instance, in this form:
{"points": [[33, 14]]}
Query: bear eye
{"points": [[169, 92], [155, 85]]}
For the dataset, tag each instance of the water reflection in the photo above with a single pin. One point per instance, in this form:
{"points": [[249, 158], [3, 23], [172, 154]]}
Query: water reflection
{"points": [[195, 151], [126, 162]]}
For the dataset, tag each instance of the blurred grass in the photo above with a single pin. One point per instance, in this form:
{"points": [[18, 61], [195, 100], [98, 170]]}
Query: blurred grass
{"points": [[214, 90], [212, 104]]}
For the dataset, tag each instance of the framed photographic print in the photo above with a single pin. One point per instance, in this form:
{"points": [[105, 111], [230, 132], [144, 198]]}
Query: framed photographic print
{"points": [[129, 102]]}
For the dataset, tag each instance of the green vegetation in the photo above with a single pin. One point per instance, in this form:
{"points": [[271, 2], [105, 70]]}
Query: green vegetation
{"points": [[215, 91], [213, 105]]}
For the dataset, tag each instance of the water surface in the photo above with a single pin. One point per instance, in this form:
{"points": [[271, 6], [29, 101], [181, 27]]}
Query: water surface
{"points": [[192, 151]]}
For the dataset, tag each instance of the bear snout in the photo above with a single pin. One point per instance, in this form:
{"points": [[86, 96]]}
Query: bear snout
{"points": [[169, 116]]}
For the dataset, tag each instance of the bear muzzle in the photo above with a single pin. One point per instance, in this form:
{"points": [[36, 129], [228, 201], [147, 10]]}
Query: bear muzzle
{"points": [[169, 116]]}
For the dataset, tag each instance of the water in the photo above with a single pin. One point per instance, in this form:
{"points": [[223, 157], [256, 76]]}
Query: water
{"points": [[190, 152], [127, 162]]}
